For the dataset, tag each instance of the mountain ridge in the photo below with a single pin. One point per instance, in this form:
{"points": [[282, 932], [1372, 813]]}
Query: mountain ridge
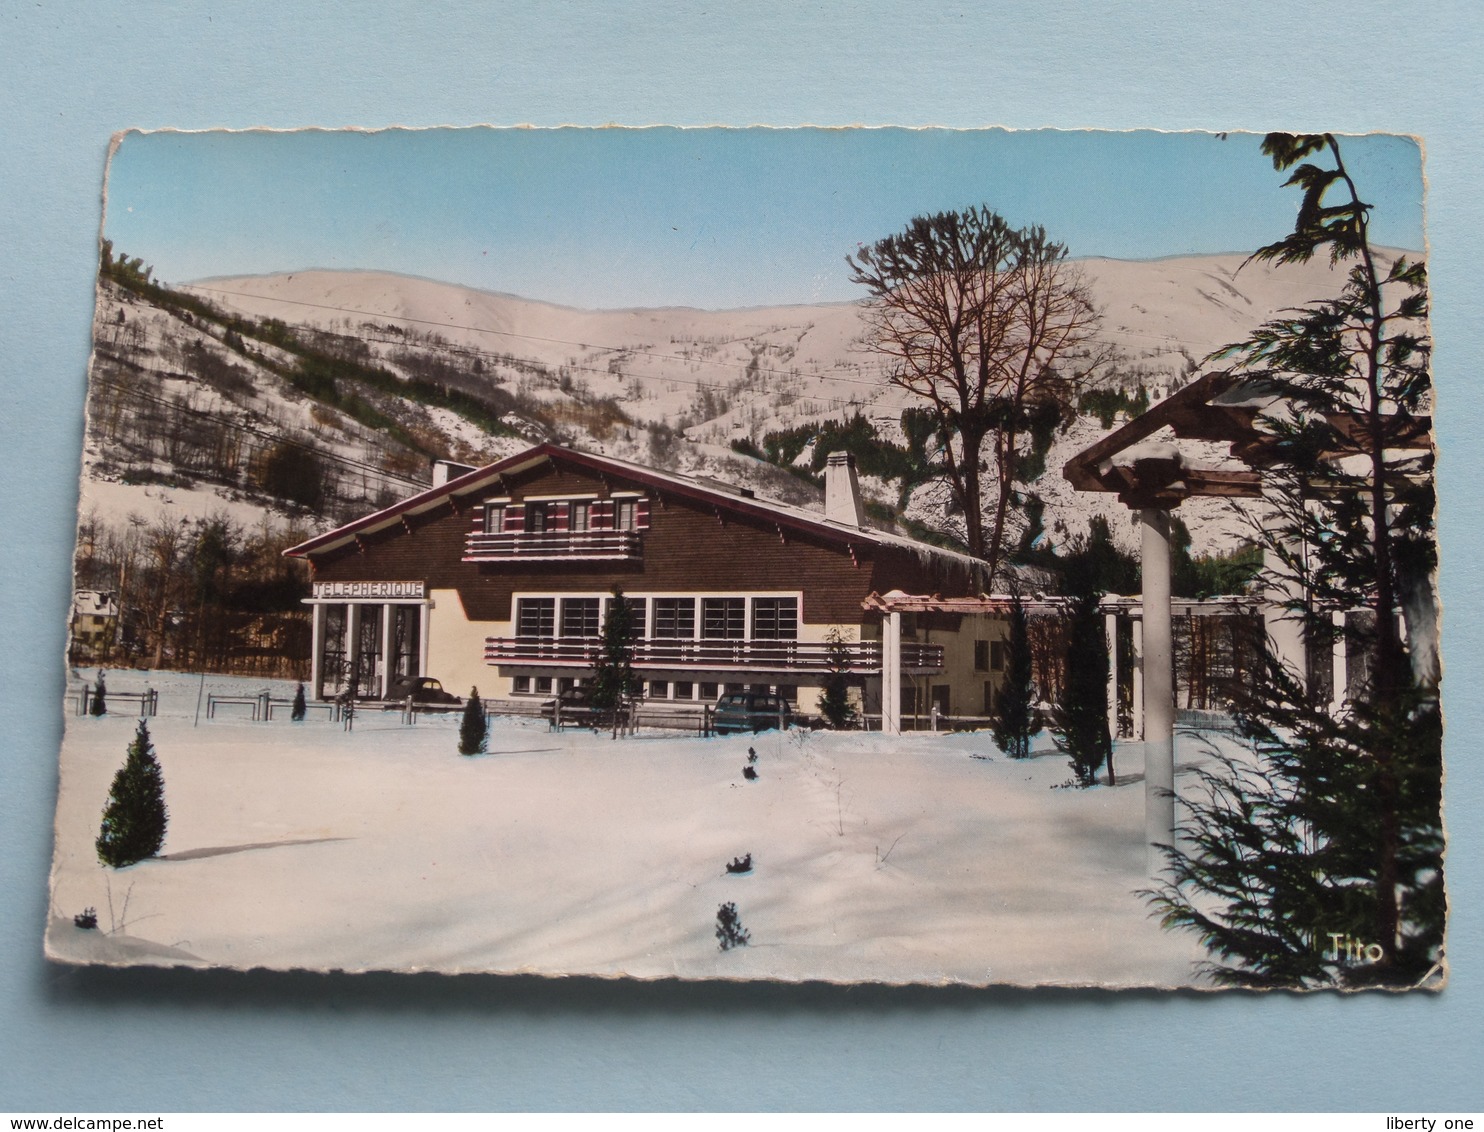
{"points": [[381, 370]]}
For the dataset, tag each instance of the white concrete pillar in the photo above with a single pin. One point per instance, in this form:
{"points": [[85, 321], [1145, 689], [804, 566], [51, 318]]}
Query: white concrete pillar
{"points": [[1137, 730], [1340, 661], [424, 616], [891, 673], [1110, 623], [319, 613], [1159, 685], [388, 657], [1285, 629]]}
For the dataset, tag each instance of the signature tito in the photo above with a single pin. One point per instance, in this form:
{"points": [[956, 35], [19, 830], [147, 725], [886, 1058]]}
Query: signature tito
{"points": [[1345, 946]]}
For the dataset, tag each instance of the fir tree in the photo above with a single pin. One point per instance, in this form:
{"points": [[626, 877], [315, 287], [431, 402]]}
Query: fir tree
{"points": [[729, 930], [614, 681], [834, 701], [134, 819], [99, 704], [1317, 859], [1014, 716], [300, 708], [1081, 718], [473, 728]]}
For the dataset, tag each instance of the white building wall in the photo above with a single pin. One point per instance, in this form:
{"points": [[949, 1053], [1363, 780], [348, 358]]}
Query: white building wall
{"points": [[456, 647]]}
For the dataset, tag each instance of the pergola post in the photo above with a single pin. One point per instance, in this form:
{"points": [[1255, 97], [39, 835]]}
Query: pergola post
{"points": [[891, 673], [1340, 661], [1159, 685], [1110, 624], [1138, 666], [1284, 628]]}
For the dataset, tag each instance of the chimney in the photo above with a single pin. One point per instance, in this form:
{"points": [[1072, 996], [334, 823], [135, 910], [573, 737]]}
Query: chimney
{"points": [[842, 491], [445, 470]]}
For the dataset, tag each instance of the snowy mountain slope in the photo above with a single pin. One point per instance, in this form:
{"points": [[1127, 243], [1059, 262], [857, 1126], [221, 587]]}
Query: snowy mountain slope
{"points": [[1162, 315], [672, 387]]}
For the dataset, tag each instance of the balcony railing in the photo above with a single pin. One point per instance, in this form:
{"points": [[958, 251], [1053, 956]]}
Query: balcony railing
{"points": [[763, 656], [537, 546]]}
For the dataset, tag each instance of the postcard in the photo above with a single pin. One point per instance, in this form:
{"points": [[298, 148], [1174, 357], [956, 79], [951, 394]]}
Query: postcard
{"points": [[861, 555]]}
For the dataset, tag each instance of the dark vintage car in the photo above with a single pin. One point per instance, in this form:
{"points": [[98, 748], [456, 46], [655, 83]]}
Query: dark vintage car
{"points": [[578, 709], [422, 689], [751, 711]]}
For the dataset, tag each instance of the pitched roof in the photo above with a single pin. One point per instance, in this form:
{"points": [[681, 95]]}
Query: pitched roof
{"points": [[483, 479]]}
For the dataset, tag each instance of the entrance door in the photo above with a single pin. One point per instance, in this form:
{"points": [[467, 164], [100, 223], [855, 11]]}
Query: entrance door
{"points": [[940, 699], [406, 640], [333, 668], [368, 653]]}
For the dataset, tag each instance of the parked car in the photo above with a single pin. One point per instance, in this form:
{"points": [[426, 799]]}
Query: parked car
{"points": [[751, 711], [577, 708], [422, 689]]}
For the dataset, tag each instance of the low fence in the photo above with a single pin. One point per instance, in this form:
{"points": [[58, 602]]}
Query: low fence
{"points": [[262, 706], [147, 701]]}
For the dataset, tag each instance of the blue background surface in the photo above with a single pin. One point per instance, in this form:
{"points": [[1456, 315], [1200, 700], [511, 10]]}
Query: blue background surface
{"points": [[70, 75]]}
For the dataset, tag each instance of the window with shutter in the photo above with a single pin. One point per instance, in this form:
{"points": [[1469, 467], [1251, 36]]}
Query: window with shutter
{"points": [[724, 618], [535, 617], [581, 617], [998, 651], [638, 613], [674, 618], [775, 618]]}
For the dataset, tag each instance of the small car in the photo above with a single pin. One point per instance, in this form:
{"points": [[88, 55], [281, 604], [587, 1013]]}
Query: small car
{"points": [[751, 711], [422, 689], [579, 710]]}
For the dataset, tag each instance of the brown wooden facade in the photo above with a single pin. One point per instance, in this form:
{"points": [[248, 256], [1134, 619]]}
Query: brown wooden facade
{"points": [[474, 546]]}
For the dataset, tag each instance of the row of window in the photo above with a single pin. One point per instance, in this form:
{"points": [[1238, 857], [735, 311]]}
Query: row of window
{"points": [[703, 690], [664, 618], [565, 515]]}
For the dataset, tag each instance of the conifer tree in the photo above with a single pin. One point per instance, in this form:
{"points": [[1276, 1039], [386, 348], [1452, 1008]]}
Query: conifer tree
{"points": [[473, 728], [834, 701], [614, 681], [1014, 716], [134, 819], [1316, 859], [300, 708], [99, 704], [1081, 718]]}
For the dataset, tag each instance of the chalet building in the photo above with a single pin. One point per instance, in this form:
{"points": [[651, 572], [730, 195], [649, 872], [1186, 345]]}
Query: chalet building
{"points": [[95, 622], [499, 577]]}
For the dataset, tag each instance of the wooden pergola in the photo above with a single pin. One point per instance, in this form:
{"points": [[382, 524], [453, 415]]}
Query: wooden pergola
{"points": [[1153, 475], [894, 603]]}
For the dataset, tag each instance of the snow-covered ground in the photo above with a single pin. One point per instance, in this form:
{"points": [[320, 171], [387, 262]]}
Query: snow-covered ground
{"points": [[915, 859]]}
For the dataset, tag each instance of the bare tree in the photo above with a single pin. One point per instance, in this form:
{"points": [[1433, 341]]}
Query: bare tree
{"points": [[164, 543], [987, 324]]}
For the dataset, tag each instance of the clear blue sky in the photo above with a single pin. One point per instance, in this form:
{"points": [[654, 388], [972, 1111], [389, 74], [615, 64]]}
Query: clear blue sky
{"points": [[706, 218]]}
